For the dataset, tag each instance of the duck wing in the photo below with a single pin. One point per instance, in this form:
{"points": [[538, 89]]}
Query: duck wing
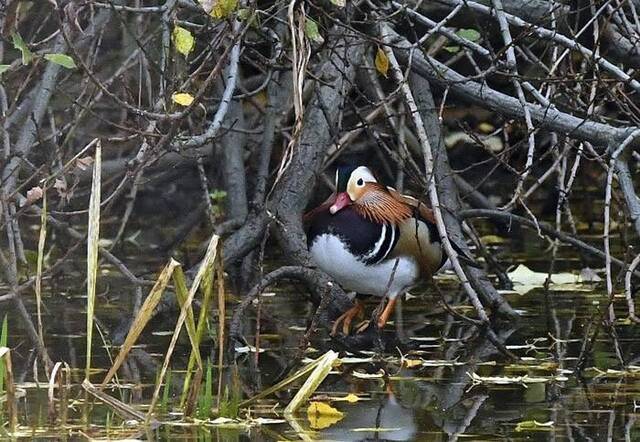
{"points": [[425, 214]]}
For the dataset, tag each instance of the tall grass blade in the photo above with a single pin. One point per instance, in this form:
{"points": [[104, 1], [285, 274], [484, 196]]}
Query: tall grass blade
{"points": [[41, 242], [143, 317], [283, 383], [230, 405], [182, 293], [207, 285], [313, 381], [166, 393], [206, 399], [92, 250], [221, 320], [4, 337], [59, 375], [190, 389], [124, 410], [5, 355], [207, 262]]}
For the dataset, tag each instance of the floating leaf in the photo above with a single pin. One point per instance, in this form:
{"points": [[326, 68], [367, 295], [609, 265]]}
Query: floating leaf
{"points": [[183, 40], [525, 279], [382, 62], [322, 415], [468, 34], [182, 98], [351, 398], [223, 8], [62, 59], [534, 426], [476, 379], [362, 375], [4, 67], [452, 49], [412, 363], [312, 32], [20, 45], [339, 3]]}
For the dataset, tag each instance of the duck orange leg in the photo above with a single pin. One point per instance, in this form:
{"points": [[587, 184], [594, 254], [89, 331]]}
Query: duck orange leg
{"points": [[384, 316], [347, 318]]}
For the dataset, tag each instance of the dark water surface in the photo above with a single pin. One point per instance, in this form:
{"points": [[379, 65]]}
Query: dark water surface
{"points": [[453, 383]]}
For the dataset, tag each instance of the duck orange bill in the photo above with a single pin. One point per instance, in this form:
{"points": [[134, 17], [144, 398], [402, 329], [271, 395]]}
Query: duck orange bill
{"points": [[342, 201]]}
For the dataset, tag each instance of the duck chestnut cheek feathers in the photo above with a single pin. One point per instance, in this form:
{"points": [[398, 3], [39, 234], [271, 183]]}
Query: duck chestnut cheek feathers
{"points": [[372, 240]]}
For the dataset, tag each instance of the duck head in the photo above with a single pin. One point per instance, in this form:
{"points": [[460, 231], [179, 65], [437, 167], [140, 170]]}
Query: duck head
{"points": [[351, 186]]}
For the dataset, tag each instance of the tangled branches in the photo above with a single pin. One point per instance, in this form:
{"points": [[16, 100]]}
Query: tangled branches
{"points": [[249, 103]]}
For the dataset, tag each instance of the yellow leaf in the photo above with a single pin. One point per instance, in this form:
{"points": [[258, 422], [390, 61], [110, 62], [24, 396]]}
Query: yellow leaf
{"points": [[486, 128], [382, 62], [351, 398], [223, 8], [182, 98], [183, 40], [411, 363], [322, 415]]}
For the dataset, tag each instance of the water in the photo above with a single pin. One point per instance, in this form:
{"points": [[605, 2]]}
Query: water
{"points": [[451, 383]]}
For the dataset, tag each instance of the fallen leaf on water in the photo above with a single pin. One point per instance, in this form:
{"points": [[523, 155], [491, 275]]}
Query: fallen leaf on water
{"points": [[524, 279], [375, 430], [411, 363], [351, 398], [588, 275], [506, 380], [534, 426], [248, 349], [362, 375], [322, 415]]}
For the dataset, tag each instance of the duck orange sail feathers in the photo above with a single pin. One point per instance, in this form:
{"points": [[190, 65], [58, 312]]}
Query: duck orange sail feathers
{"points": [[372, 240]]}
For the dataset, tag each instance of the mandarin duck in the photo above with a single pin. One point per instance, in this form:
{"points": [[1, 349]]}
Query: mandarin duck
{"points": [[372, 240]]}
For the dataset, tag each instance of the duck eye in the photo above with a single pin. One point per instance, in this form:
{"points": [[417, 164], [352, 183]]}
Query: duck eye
{"points": [[360, 182]]}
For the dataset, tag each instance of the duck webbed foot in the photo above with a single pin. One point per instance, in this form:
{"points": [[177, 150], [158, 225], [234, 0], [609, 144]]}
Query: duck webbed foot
{"points": [[347, 318]]}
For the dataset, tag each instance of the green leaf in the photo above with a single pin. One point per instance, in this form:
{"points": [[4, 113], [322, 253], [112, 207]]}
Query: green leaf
{"points": [[452, 49], [62, 59], [183, 40], [20, 45], [218, 195], [468, 34], [224, 8], [4, 67], [312, 32], [534, 425], [339, 3]]}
